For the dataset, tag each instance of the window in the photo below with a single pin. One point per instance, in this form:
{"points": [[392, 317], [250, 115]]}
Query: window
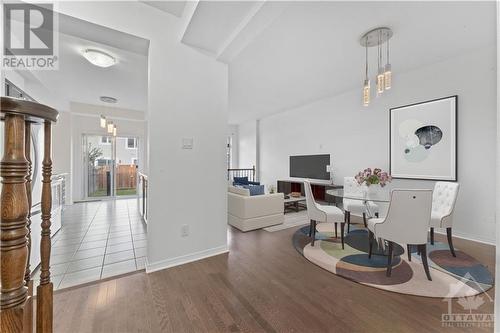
{"points": [[103, 162], [105, 140], [131, 143], [12, 90], [229, 151]]}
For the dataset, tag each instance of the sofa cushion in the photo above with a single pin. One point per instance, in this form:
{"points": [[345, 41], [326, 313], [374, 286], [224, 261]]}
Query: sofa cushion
{"points": [[239, 190], [255, 189], [240, 181]]}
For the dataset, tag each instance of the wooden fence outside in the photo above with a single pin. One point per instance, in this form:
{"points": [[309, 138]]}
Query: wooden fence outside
{"points": [[126, 177]]}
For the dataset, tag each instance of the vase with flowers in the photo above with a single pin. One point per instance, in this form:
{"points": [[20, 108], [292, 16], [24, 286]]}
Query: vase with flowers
{"points": [[372, 179]]}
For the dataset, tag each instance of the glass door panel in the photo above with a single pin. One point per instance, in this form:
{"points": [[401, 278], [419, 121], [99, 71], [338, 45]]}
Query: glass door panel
{"points": [[99, 162], [127, 162]]}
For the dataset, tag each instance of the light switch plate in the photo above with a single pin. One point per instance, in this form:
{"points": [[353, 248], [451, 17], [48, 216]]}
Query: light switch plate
{"points": [[187, 143]]}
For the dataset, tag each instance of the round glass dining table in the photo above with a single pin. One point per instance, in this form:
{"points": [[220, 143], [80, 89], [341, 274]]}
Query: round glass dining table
{"points": [[380, 196], [367, 197]]}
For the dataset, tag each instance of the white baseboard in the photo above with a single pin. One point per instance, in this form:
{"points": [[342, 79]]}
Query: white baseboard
{"points": [[463, 236], [181, 260]]}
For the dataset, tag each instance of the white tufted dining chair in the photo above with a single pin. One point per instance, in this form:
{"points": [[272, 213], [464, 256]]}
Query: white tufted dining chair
{"points": [[321, 213], [406, 222], [351, 187], [444, 198]]}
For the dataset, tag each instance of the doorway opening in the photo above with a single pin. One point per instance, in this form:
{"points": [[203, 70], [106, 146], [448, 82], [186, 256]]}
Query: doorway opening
{"points": [[111, 166]]}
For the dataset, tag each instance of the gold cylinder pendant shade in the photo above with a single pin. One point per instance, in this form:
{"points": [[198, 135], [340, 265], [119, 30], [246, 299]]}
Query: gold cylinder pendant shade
{"points": [[378, 37]]}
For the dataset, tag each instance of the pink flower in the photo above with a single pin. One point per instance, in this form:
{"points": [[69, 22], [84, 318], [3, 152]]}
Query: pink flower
{"points": [[368, 177]]}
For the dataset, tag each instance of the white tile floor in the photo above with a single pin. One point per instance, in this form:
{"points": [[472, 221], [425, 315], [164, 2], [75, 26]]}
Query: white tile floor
{"points": [[98, 240]]}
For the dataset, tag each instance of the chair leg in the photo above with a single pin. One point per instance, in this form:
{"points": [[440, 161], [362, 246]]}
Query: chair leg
{"points": [[335, 229], [432, 236], [313, 232], [364, 220], [389, 259], [348, 221], [342, 234], [450, 241], [370, 244], [408, 249], [310, 228], [423, 255]]}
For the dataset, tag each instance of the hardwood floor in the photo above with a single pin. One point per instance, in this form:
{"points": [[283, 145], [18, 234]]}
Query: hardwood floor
{"points": [[262, 285]]}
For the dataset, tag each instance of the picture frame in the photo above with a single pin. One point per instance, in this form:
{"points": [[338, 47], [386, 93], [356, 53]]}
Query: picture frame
{"points": [[423, 140]]}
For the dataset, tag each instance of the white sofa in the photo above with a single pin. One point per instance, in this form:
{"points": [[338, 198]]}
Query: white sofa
{"points": [[247, 212]]}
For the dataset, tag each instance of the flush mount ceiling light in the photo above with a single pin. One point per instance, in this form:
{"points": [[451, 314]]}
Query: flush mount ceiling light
{"points": [[108, 99], [377, 37], [99, 58]]}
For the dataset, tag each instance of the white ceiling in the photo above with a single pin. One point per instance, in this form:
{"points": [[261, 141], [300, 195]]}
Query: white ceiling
{"points": [[280, 54], [222, 17], [77, 80], [284, 54], [173, 7]]}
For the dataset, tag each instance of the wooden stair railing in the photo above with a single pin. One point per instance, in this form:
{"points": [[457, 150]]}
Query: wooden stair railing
{"points": [[16, 289]]}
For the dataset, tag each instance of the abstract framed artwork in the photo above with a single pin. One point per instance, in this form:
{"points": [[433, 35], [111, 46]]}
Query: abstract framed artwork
{"points": [[423, 140]]}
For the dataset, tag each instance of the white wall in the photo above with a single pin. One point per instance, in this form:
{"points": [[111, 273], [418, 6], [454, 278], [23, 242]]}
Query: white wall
{"points": [[357, 137], [247, 138], [62, 152], [232, 131], [187, 99], [497, 266]]}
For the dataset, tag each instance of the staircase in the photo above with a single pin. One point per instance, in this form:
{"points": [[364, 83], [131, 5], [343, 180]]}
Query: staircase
{"points": [[16, 289]]}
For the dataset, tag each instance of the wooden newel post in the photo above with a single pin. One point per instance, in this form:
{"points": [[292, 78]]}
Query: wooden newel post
{"points": [[16, 289], [45, 289], [13, 225]]}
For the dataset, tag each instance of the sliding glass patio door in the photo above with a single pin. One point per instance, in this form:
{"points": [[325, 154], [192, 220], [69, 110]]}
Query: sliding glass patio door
{"points": [[110, 166]]}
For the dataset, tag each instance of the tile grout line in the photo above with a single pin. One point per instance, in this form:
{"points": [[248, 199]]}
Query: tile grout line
{"points": [[131, 236], [105, 251], [80, 244]]}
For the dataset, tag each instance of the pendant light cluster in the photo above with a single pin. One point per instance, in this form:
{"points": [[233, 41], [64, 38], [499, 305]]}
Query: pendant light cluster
{"points": [[377, 37], [108, 125]]}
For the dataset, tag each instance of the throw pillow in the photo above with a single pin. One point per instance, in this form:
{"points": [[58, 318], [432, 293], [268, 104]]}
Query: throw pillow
{"points": [[255, 189], [240, 181]]}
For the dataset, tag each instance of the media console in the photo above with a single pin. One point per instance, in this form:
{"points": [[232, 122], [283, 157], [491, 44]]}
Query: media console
{"points": [[318, 188]]}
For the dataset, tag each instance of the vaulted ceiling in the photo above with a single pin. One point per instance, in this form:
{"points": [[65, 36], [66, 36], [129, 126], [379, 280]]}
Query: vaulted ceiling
{"points": [[279, 54], [284, 54]]}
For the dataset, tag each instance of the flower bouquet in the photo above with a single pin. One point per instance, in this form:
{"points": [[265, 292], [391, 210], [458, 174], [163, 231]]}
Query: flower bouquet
{"points": [[369, 177]]}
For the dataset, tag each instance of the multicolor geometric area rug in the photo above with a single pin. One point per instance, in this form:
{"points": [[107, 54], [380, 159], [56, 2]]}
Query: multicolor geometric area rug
{"points": [[458, 276]]}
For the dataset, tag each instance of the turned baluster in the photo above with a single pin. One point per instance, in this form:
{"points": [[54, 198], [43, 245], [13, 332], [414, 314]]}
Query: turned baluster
{"points": [[28, 317], [45, 289], [14, 213]]}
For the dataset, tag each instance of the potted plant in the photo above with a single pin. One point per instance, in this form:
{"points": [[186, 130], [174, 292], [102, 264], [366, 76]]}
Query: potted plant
{"points": [[372, 179]]}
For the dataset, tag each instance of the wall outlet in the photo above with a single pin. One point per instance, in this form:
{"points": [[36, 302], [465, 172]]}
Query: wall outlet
{"points": [[184, 230]]}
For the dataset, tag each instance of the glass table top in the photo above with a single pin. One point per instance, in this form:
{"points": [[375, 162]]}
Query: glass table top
{"points": [[375, 196]]}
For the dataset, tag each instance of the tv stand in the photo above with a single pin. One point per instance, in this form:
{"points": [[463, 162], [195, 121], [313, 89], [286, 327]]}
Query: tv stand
{"points": [[318, 188]]}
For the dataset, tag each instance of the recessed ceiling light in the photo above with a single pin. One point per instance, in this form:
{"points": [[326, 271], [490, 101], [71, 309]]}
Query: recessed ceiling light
{"points": [[99, 58], [108, 99]]}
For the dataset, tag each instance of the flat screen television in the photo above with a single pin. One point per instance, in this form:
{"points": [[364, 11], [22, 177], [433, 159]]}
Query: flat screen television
{"points": [[310, 166]]}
